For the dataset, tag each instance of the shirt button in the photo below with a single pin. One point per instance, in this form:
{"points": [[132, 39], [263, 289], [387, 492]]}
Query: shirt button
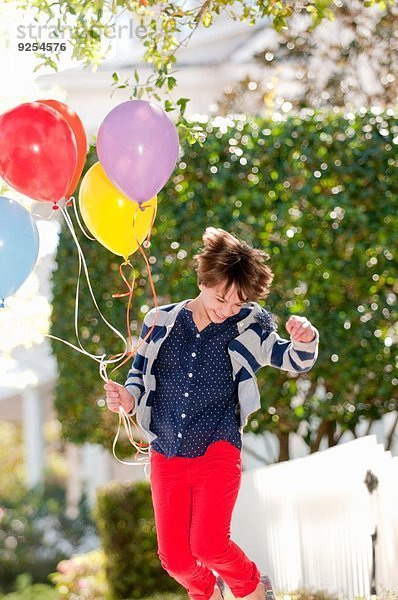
{"points": [[186, 394], [183, 415], [180, 435], [198, 335], [190, 374], [193, 354]]}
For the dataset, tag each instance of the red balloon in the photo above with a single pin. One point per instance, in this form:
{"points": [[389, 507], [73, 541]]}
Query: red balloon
{"points": [[77, 127], [38, 152]]}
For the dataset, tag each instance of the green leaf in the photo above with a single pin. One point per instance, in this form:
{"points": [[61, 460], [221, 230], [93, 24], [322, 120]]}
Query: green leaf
{"points": [[182, 103], [168, 106], [171, 82], [207, 18]]}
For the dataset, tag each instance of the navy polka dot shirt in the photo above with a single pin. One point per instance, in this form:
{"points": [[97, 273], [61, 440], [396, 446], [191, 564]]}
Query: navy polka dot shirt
{"points": [[195, 401]]}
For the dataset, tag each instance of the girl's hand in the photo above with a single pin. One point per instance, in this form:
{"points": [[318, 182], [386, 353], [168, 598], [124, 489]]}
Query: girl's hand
{"points": [[117, 395], [300, 329]]}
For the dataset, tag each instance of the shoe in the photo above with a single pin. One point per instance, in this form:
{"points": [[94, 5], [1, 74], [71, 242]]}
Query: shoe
{"points": [[221, 585], [269, 592]]}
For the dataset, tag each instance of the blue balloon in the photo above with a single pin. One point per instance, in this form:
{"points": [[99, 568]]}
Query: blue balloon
{"points": [[19, 246]]}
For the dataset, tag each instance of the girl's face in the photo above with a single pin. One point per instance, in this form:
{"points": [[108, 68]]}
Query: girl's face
{"points": [[220, 305]]}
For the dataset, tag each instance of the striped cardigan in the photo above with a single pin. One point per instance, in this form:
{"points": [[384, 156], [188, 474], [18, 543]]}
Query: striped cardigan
{"points": [[257, 345]]}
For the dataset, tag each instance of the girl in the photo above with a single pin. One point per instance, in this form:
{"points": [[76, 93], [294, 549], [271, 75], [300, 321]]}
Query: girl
{"points": [[192, 386]]}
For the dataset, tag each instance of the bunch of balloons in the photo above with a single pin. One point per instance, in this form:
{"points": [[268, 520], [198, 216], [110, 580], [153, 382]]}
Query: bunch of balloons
{"points": [[137, 147], [43, 148]]}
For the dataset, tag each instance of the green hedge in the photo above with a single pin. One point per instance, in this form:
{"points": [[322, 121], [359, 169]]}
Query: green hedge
{"points": [[126, 526]]}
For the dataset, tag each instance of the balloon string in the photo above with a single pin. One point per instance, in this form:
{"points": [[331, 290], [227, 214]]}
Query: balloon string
{"points": [[130, 294], [124, 418], [140, 447], [117, 358], [143, 340], [130, 287], [76, 319], [122, 413], [72, 202], [149, 271], [82, 261]]}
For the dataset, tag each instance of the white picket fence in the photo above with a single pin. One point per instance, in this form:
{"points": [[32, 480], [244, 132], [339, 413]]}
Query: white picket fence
{"points": [[308, 522]]}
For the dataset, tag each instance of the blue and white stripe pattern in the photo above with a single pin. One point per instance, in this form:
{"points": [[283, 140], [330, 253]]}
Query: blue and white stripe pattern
{"points": [[256, 345]]}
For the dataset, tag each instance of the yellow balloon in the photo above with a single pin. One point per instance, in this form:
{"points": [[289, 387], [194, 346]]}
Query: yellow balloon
{"points": [[115, 221]]}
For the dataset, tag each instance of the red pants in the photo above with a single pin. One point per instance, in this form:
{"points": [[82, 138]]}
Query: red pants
{"points": [[193, 500]]}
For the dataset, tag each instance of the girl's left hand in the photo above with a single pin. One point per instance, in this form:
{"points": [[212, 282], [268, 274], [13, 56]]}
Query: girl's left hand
{"points": [[300, 329]]}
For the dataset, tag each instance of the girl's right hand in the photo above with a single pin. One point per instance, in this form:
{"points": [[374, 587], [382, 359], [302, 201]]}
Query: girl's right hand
{"points": [[117, 395]]}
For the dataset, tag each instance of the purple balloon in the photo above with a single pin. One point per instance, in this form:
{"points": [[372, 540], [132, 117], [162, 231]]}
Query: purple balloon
{"points": [[137, 146]]}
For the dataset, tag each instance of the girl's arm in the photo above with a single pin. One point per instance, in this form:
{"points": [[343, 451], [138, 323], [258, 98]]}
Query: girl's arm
{"points": [[292, 355], [262, 346]]}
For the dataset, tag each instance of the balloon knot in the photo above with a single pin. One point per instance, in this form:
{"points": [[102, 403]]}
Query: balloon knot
{"points": [[69, 203], [55, 207], [2, 305]]}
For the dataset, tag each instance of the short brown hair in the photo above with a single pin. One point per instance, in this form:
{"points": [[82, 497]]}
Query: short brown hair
{"points": [[226, 259]]}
